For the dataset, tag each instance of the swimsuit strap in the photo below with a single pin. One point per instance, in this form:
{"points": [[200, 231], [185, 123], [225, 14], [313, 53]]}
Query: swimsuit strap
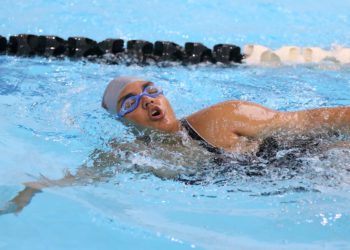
{"points": [[195, 136]]}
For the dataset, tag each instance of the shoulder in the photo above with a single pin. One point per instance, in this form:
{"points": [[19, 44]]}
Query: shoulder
{"points": [[225, 109], [215, 123], [237, 117], [231, 104]]}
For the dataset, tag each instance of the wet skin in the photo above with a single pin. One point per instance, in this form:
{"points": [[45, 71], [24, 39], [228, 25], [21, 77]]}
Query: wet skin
{"points": [[235, 126], [151, 112]]}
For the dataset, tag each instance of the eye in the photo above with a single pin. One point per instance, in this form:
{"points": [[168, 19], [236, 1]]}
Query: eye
{"points": [[129, 103], [152, 90]]}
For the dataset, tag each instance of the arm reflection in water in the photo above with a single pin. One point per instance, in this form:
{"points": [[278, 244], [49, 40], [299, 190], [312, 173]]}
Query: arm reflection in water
{"points": [[161, 155]]}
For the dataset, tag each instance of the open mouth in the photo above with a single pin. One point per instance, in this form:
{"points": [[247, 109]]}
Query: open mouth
{"points": [[155, 113]]}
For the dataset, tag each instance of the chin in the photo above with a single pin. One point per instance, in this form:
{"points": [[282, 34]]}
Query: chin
{"points": [[162, 125]]}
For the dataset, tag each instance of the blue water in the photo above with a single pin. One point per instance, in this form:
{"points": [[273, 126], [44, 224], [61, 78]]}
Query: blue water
{"points": [[51, 122]]}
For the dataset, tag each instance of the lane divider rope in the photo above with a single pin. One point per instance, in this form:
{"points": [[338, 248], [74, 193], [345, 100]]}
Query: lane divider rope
{"points": [[163, 53], [113, 50]]}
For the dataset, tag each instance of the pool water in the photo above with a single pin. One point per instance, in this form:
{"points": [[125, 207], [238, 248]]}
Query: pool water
{"points": [[52, 123]]}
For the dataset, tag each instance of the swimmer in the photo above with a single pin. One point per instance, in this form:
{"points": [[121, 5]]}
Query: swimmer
{"points": [[231, 126]]}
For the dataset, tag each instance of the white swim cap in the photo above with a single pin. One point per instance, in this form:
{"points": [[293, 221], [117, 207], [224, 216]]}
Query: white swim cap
{"points": [[113, 90]]}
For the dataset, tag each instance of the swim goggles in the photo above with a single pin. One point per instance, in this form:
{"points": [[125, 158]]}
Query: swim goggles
{"points": [[130, 104]]}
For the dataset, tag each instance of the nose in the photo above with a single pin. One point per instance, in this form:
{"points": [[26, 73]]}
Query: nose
{"points": [[146, 100]]}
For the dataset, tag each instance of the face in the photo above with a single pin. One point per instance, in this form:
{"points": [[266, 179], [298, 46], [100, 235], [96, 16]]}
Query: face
{"points": [[151, 112]]}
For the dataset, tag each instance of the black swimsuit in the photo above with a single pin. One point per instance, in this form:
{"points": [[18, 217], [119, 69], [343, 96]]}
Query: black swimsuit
{"points": [[195, 136]]}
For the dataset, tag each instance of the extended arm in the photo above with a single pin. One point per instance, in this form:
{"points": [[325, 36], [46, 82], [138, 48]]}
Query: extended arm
{"points": [[238, 126], [24, 197], [84, 175], [337, 118], [103, 166]]}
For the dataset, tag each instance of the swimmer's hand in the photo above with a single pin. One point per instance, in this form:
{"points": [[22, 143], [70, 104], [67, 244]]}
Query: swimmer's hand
{"points": [[21, 200]]}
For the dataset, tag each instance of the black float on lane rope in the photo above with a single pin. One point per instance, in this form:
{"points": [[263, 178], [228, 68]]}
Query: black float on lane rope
{"points": [[114, 51]]}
